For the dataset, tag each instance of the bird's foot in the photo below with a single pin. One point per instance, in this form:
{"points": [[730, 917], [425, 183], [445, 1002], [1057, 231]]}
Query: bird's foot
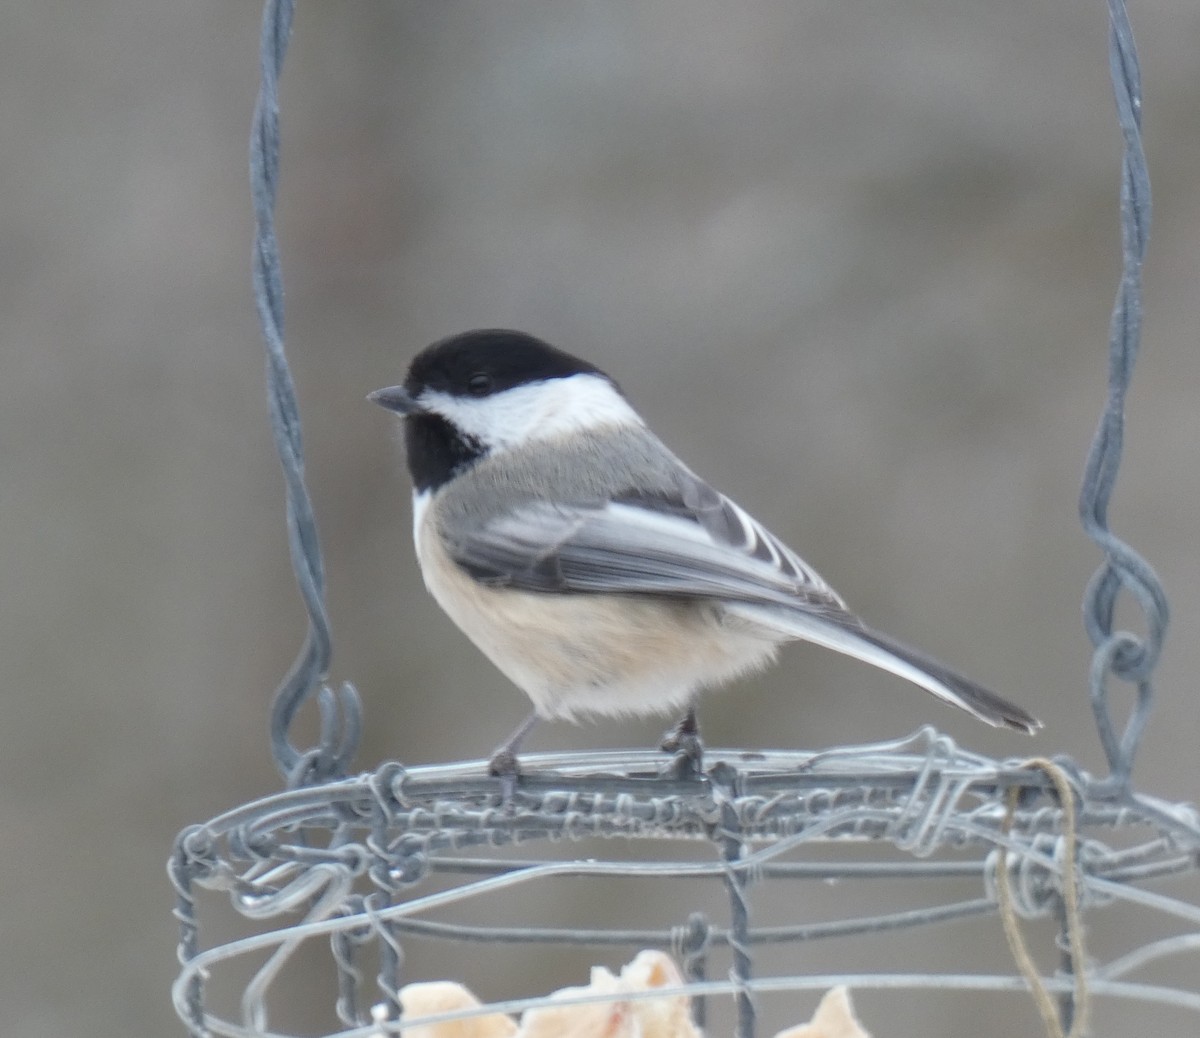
{"points": [[683, 740], [504, 765]]}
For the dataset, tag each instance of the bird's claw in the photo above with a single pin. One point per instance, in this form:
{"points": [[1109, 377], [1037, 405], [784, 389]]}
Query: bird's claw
{"points": [[504, 766], [683, 740]]}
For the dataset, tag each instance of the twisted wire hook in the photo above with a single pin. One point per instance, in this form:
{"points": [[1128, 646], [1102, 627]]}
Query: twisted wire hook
{"points": [[1121, 654], [341, 714]]}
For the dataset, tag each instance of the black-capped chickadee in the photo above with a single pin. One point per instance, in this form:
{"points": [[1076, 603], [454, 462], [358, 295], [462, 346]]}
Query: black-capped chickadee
{"points": [[595, 569]]}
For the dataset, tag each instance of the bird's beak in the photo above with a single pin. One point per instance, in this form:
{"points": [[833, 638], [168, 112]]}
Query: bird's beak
{"points": [[396, 398]]}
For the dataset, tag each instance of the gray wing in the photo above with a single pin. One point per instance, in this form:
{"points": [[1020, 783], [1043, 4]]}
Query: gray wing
{"points": [[689, 543]]}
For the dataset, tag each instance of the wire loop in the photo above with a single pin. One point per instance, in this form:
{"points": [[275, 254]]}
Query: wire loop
{"points": [[1120, 752]]}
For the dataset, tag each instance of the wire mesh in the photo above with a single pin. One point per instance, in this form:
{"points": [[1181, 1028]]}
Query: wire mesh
{"points": [[392, 857], [367, 867]]}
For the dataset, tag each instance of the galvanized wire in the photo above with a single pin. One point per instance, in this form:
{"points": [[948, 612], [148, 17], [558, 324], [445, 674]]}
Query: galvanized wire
{"points": [[341, 714], [1122, 654], [344, 860]]}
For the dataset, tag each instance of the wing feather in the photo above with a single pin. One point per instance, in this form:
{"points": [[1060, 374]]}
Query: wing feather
{"points": [[638, 546]]}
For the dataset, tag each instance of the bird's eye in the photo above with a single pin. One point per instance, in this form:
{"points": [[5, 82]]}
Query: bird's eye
{"points": [[479, 384]]}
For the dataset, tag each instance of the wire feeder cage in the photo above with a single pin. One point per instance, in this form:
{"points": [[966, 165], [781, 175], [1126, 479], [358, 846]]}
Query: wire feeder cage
{"points": [[363, 871]]}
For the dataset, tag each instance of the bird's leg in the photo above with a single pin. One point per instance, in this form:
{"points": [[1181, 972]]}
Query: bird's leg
{"points": [[683, 740], [503, 762]]}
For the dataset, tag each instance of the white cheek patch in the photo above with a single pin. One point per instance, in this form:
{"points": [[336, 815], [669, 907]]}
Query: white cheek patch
{"points": [[537, 411]]}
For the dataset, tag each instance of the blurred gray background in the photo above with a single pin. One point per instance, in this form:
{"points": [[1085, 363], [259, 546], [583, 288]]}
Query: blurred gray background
{"points": [[855, 261]]}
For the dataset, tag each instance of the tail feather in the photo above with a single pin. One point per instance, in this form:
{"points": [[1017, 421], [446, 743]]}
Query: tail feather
{"points": [[850, 637]]}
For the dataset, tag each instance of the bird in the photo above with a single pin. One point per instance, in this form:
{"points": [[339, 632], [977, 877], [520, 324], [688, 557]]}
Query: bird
{"points": [[595, 570]]}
